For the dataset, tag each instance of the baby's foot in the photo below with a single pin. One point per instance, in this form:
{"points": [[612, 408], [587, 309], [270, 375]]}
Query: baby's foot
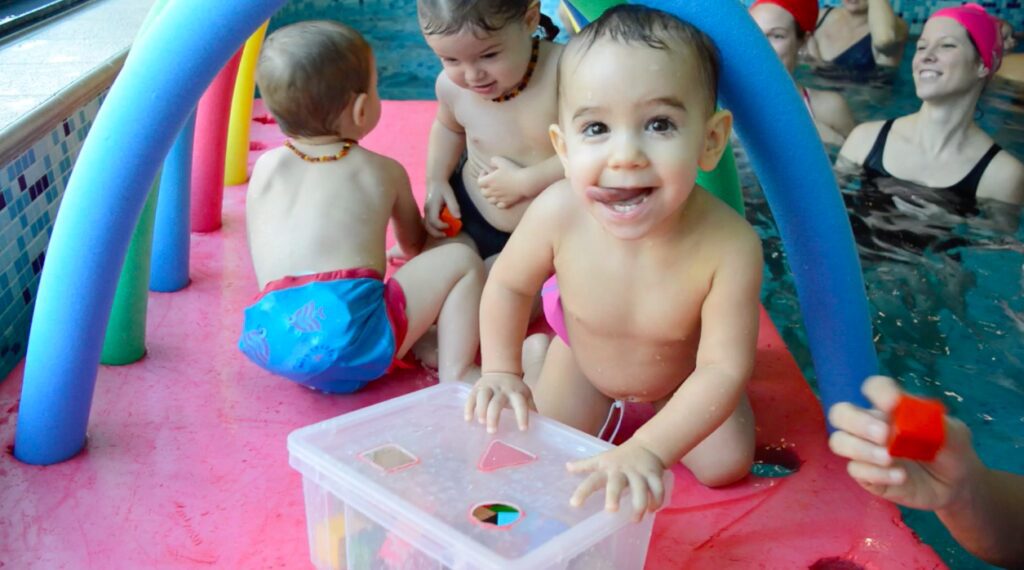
{"points": [[425, 349]]}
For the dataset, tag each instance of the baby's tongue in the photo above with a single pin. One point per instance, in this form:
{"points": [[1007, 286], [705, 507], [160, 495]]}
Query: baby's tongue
{"points": [[614, 195]]}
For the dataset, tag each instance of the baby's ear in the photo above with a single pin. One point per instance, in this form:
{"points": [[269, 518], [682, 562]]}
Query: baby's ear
{"points": [[717, 130], [358, 109], [558, 141], [533, 15]]}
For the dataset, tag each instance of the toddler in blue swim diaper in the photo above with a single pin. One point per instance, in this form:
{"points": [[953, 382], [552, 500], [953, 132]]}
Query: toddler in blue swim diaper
{"points": [[317, 214]]}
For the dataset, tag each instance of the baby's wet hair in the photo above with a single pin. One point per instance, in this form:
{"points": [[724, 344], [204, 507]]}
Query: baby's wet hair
{"points": [[640, 25], [448, 17], [309, 72]]}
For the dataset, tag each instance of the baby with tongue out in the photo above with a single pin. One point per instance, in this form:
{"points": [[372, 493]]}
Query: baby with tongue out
{"points": [[655, 290]]}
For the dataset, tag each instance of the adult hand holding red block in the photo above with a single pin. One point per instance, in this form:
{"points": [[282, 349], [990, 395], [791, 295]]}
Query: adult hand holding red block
{"points": [[907, 450]]}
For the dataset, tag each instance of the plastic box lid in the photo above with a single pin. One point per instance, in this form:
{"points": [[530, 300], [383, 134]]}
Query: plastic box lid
{"points": [[417, 468]]}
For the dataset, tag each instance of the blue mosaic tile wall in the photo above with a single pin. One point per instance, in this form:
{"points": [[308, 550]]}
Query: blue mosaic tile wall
{"points": [[31, 188]]}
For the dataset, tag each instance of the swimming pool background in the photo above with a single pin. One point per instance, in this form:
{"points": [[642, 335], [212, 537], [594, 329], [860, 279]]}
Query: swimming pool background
{"points": [[949, 319], [948, 313]]}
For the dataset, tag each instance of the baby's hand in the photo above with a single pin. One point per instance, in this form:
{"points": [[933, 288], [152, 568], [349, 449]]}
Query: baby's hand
{"points": [[439, 196], [863, 436], [629, 464], [497, 390], [503, 185]]}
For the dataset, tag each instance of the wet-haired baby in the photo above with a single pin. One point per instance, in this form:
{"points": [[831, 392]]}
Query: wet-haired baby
{"points": [[489, 153], [656, 289]]}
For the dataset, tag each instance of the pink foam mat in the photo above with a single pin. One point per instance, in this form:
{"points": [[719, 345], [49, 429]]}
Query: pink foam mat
{"points": [[186, 464]]}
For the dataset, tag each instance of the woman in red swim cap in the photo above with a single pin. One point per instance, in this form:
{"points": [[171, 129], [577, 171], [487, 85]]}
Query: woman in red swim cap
{"points": [[788, 25]]}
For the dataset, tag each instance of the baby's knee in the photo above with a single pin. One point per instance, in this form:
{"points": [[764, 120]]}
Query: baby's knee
{"points": [[464, 257], [727, 472], [726, 466]]}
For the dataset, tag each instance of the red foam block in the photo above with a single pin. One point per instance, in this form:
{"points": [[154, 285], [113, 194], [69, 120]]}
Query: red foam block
{"points": [[454, 224], [918, 428]]}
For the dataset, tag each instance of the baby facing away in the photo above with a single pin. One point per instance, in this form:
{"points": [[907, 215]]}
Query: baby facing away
{"points": [[317, 212]]}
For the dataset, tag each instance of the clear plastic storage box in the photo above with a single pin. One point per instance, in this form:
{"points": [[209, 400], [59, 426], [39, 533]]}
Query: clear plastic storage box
{"points": [[408, 484]]}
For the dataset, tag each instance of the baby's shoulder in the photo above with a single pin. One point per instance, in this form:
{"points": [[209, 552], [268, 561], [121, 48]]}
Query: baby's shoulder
{"points": [[547, 63], [724, 231], [556, 199], [372, 168], [266, 170], [549, 53], [552, 208], [447, 91]]}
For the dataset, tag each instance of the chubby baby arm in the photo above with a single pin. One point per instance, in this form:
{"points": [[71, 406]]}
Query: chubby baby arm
{"points": [[444, 150], [506, 183], [518, 273], [405, 214]]}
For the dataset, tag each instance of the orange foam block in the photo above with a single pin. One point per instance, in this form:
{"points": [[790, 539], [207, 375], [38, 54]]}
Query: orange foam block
{"points": [[918, 428], [454, 224]]}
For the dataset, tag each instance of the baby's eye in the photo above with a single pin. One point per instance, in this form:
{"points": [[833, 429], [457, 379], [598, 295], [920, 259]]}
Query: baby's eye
{"points": [[920, 47], [660, 125], [594, 129], [449, 60], [490, 55]]}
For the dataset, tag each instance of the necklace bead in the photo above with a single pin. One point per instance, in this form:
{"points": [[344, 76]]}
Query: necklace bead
{"points": [[349, 143], [534, 56]]}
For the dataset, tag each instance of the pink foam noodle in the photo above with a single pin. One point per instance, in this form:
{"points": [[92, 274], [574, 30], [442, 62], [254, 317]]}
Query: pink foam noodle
{"points": [[211, 140]]}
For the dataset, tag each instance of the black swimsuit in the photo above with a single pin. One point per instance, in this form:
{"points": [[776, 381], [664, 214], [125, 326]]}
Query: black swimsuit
{"points": [[966, 188], [858, 57], [488, 239]]}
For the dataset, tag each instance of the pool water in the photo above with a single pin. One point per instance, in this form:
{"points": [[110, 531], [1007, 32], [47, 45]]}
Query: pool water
{"points": [[944, 284]]}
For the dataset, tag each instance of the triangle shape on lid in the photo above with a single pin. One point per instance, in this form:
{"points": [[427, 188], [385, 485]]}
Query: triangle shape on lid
{"points": [[500, 455]]}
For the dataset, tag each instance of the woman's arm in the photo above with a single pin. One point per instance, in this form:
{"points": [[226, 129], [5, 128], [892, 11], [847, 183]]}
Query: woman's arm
{"points": [[888, 31]]}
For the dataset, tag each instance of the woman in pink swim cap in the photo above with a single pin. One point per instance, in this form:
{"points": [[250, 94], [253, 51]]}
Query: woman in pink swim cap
{"points": [[788, 25], [940, 146]]}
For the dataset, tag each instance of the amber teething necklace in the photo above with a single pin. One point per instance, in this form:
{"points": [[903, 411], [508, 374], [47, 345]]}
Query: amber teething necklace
{"points": [[534, 55], [349, 143]]}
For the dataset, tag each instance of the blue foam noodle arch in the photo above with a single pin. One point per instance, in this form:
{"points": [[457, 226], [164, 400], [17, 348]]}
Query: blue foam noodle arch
{"points": [[171, 237], [801, 189], [173, 62], [166, 72]]}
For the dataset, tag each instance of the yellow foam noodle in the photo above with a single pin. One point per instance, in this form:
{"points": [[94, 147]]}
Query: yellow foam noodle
{"points": [[237, 154]]}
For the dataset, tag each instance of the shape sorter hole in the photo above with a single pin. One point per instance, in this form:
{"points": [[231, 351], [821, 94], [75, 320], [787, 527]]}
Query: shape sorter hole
{"points": [[501, 455], [774, 461], [496, 515], [389, 458]]}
